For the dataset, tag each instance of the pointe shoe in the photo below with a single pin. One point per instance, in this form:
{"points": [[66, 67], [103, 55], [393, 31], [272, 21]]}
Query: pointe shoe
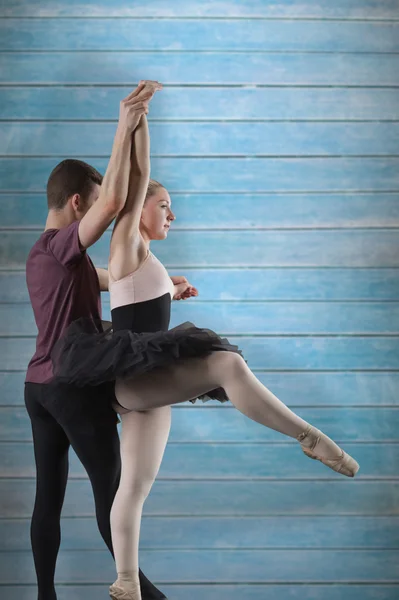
{"points": [[344, 464], [119, 593]]}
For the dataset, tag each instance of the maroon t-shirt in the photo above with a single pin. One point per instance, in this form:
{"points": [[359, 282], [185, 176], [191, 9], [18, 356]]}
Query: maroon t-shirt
{"points": [[63, 286]]}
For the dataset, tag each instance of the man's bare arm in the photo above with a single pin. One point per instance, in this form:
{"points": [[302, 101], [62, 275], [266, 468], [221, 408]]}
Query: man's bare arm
{"points": [[103, 279], [115, 184]]}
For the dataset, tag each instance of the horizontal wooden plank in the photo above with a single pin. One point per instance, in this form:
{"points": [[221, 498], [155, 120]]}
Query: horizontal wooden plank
{"points": [[197, 139], [248, 248], [296, 389], [229, 461], [224, 211], [231, 175], [200, 68], [214, 566], [271, 353], [199, 35], [224, 533], [344, 9], [216, 103], [289, 284], [245, 318], [225, 498], [226, 424], [227, 592]]}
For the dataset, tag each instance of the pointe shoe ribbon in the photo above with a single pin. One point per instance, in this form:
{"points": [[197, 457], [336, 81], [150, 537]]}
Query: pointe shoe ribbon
{"points": [[344, 464]]}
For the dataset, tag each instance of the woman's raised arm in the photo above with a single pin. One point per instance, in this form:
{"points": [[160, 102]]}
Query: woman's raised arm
{"points": [[126, 233]]}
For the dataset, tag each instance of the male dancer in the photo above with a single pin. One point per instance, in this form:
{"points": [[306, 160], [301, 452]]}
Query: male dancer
{"points": [[64, 285]]}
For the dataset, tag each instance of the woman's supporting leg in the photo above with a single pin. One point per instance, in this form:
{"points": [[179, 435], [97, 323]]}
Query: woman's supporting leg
{"points": [[143, 441], [189, 378]]}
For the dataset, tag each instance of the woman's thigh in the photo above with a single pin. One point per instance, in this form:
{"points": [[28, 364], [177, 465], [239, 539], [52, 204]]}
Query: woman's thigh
{"points": [[185, 380]]}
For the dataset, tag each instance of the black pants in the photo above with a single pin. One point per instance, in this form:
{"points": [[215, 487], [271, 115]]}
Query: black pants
{"points": [[64, 416]]}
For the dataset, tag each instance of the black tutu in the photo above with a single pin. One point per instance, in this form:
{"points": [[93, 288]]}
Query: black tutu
{"points": [[89, 355]]}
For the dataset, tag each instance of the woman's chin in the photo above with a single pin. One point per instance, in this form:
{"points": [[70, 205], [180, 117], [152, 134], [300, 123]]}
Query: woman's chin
{"points": [[160, 235]]}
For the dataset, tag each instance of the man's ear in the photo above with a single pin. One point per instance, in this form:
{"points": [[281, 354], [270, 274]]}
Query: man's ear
{"points": [[76, 202]]}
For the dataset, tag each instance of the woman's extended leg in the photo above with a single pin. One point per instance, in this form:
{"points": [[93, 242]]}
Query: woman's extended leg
{"points": [[189, 378], [143, 440]]}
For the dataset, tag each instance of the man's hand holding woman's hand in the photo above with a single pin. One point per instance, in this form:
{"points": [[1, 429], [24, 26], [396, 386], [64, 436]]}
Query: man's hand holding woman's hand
{"points": [[135, 105], [183, 289]]}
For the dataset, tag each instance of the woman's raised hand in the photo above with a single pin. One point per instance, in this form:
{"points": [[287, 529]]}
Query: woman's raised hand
{"points": [[136, 104]]}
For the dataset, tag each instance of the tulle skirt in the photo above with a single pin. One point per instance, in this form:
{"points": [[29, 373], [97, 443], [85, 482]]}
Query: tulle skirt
{"points": [[89, 354]]}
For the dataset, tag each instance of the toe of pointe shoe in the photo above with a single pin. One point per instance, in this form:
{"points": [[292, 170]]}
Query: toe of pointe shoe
{"points": [[118, 593], [345, 464]]}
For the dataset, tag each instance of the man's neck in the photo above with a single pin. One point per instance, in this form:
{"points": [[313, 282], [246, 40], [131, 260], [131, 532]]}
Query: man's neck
{"points": [[58, 220]]}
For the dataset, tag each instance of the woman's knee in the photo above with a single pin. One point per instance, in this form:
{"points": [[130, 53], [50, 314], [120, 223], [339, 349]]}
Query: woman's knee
{"points": [[227, 364], [140, 488]]}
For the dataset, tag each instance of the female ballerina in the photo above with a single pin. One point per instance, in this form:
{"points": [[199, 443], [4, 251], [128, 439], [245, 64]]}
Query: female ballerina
{"points": [[155, 367]]}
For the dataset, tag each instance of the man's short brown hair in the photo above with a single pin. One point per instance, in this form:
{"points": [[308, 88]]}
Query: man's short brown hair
{"points": [[70, 177]]}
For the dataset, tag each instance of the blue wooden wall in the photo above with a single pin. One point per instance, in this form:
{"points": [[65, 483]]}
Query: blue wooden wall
{"points": [[277, 135]]}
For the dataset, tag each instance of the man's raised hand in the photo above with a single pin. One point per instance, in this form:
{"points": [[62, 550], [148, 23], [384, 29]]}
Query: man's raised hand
{"points": [[136, 104]]}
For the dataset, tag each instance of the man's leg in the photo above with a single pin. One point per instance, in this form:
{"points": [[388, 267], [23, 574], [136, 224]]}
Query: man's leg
{"points": [[51, 455], [94, 437]]}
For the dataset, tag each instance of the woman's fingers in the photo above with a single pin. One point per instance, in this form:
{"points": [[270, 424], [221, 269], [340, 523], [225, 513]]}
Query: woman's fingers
{"points": [[135, 92], [145, 85]]}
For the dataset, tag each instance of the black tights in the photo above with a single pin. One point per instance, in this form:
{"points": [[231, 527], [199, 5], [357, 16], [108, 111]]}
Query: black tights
{"points": [[92, 433]]}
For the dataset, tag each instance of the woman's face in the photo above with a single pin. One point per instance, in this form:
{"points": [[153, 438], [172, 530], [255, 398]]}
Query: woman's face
{"points": [[157, 216]]}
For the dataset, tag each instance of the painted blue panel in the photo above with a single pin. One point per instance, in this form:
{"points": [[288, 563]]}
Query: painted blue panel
{"points": [[261, 284], [233, 175], [226, 424], [230, 461], [274, 353], [312, 248], [243, 318], [87, 103], [229, 592], [224, 211], [235, 498], [166, 35], [224, 533], [297, 389], [355, 9], [197, 139], [224, 566], [193, 68]]}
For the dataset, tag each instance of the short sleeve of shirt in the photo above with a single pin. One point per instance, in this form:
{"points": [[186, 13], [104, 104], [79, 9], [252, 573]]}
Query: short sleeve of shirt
{"points": [[65, 246]]}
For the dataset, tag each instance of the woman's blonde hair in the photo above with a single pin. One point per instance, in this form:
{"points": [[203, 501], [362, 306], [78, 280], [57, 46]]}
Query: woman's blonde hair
{"points": [[153, 186]]}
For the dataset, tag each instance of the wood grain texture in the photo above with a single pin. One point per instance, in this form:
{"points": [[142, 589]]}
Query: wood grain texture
{"points": [[344, 9], [199, 35], [277, 137], [222, 566], [206, 68], [206, 139], [86, 103], [224, 533], [231, 175], [236, 461], [369, 591], [272, 497]]}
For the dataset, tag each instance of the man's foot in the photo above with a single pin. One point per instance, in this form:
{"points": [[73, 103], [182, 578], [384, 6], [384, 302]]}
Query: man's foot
{"points": [[148, 589]]}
